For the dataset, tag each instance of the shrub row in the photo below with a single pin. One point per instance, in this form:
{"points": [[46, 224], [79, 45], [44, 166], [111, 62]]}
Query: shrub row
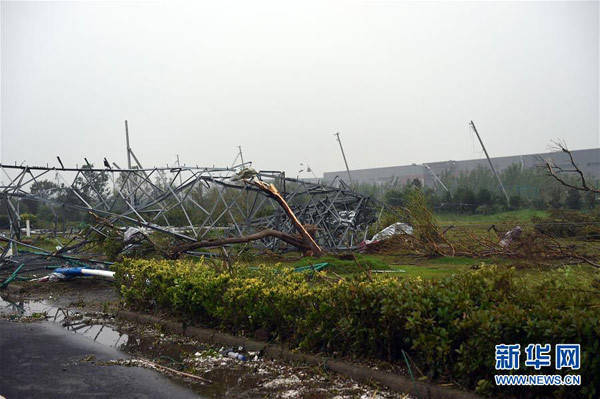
{"points": [[449, 326]]}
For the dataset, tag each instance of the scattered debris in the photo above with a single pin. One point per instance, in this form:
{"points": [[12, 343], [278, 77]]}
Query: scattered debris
{"points": [[67, 273], [388, 271], [12, 276], [391, 230], [510, 235], [158, 367], [204, 367]]}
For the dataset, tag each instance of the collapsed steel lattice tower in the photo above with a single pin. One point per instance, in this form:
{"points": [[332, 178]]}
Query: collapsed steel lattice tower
{"points": [[192, 203]]}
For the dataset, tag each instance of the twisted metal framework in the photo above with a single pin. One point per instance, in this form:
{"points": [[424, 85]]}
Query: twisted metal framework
{"points": [[192, 203]]}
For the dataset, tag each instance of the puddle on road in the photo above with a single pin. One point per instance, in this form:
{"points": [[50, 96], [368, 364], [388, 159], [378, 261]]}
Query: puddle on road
{"points": [[91, 325], [251, 379]]}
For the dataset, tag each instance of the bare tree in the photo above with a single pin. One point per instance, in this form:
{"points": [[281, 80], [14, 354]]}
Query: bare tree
{"points": [[554, 170]]}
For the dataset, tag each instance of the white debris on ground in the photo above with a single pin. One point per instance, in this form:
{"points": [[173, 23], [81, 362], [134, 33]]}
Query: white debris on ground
{"points": [[284, 381], [270, 378], [391, 230], [255, 377], [511, 235], [290, 394]]}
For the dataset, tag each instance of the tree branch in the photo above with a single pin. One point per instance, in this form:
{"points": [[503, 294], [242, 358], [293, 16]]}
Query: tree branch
{"points": [[306, 237], [552, 168], [174, 252]]}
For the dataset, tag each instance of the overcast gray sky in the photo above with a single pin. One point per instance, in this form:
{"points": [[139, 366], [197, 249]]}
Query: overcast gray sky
{"points": [[399, 80]]}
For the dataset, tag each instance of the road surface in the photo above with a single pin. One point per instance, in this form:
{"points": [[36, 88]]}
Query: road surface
{"points": [[43, 360]]}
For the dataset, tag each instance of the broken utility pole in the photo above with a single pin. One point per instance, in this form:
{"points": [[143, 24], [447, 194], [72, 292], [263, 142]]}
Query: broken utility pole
{"points": [[344, 156], [128, 147], [436, 178], [490, 162], [241, 155]]}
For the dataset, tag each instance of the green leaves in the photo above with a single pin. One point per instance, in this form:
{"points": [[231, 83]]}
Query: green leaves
{"points": [[449, 326]]}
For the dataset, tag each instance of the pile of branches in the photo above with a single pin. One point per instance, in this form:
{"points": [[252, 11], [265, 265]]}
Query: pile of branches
{"points": [[531, 245], [526, 245], [429, 239], [426, 238]]}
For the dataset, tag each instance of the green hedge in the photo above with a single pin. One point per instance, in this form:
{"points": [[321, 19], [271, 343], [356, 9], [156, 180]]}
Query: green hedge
{"points": [[449, 327]]}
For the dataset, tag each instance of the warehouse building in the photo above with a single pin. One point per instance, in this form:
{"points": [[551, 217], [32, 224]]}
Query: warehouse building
{"points": [[588, 161]]}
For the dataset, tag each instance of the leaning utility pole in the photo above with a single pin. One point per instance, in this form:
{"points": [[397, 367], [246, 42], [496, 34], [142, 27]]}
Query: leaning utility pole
{"points": [[490, 162], [179, 166], [344, 155], [436, 178], [130, 152], [241, 155], [128, 147]]}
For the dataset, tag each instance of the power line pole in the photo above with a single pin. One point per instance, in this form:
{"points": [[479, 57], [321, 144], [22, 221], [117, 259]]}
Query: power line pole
{"points": [[344, 156], [490, 162], [128, 147], [436, 178], [179, 166], [241, 155]]}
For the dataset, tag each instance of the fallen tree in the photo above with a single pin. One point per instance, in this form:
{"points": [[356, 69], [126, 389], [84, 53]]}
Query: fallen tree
{"points": [[176, 251], [307, 240]]}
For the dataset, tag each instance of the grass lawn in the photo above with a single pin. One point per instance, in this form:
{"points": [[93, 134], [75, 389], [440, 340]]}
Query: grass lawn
{"points": [[403, 266], [394, 265], [522, 216], [45, 242]]}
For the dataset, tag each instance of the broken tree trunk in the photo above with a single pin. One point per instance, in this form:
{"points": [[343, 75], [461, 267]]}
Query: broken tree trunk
{"points": [[305, 242], [306, 237], [290, 239]]}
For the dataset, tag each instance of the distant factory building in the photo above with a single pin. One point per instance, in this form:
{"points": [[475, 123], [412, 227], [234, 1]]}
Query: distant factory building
{"points": [[588, 161]]}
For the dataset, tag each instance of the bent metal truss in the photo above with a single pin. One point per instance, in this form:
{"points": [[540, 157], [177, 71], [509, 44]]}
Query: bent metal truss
{"points": [[190, 203]]}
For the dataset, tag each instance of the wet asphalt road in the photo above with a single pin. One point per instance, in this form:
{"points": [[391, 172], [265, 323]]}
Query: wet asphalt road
{"points": [[43, 360]]}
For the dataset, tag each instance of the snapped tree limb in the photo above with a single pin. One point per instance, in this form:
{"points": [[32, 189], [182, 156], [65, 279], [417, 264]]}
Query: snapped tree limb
{"points": [[305, 242], [174, 252], [273, 192]]}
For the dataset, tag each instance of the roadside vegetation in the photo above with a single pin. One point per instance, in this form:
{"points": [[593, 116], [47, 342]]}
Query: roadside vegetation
{"points": [[443, 296], [447, 325]]}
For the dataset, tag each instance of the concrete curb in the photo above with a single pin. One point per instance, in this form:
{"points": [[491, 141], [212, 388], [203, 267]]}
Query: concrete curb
{"points": [[360, 373]]}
